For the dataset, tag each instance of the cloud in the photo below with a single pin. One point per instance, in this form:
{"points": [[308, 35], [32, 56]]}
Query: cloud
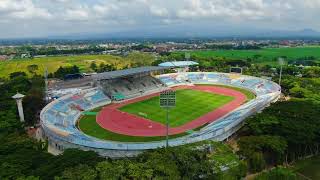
{"points": [[77, 14], [22, 9], [159, 11], [225, 9], [121, 15]]}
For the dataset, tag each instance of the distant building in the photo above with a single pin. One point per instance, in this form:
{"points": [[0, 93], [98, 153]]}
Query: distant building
{"points": [[161, 49], [3, 57], [25, 55]]}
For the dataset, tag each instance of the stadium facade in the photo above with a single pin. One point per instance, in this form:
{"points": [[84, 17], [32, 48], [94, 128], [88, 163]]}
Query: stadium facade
{"points": [[59, 118]]}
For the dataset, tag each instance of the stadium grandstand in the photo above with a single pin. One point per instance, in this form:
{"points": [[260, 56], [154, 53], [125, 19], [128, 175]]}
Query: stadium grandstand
{"points": [[59, 118], [129, 83]]}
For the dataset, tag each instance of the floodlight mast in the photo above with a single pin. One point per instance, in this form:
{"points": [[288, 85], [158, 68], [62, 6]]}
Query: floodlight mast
{"points": [[167, 100], [46, 84], [281, 62], [167, 131]]}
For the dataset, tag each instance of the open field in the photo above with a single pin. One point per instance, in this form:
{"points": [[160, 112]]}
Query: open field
{"points": [[266, 55], [190, 104], [53, 63], [263, 56], [82, 61]]}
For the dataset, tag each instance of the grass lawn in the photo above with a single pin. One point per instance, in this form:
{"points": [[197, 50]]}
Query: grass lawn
{"points": [[263, 56], [250, 95], [82, 61], [190, 104], [89, 126], [308, 167]]}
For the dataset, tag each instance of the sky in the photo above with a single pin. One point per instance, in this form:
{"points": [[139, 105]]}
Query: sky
{"points": [[43, 18]]}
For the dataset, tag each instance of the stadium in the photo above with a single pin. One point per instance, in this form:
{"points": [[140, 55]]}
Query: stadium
{"points": [[117, 114]]}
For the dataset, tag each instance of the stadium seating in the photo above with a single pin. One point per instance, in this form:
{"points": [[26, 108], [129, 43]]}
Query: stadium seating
{"points": [[63, 114], [58, 118], [125, 88]]}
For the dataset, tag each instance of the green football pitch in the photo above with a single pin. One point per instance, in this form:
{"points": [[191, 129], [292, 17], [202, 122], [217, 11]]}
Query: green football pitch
{"points": [[190, 104]]}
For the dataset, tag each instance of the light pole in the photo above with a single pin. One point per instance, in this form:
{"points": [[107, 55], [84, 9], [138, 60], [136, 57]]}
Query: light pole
{"points": [[167, 100], [18, 97], [281, 62], [167, 128], [46, 85]]}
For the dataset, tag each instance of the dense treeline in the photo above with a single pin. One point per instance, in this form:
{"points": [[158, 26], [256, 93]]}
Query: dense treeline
{"points": [[62, 72], [278, 173], [287, 130], [295, 122], [51, 51], [232, 47], [33, 102], [22, 157]]}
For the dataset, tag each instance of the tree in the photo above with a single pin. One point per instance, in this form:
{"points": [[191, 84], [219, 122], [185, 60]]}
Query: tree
{"points": [[69, 158], [272, 147], [33, 103], [112, 170], [80, 172], [94, 66], [32, 68], [256, 162], [9, 122], [299, 92], [28, 178], [62, 71], [312, 72], [296, 121], [139, 171], [20, 156], [278, 173], [161, 163], [17, 74], [106, 67]]}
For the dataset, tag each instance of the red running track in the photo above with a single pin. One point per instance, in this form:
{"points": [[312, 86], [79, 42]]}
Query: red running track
{"points": [[114, 120]]}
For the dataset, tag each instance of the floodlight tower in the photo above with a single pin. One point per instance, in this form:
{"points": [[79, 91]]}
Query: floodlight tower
{"points": [[46, 85], [281, 62], [167, 100], [18, 97]]}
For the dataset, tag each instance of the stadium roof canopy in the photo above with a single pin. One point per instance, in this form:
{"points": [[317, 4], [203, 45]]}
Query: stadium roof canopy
{"points": [[178, 64], [128, 72]]}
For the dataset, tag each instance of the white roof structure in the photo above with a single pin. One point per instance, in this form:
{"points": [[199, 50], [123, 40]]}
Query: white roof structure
{"points": [[18, 96], [128, 72], [178, 64]]}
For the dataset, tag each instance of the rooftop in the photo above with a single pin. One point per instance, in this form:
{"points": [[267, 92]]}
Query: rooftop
{"points": [[128, 72], [178, 64], [18, 96]]}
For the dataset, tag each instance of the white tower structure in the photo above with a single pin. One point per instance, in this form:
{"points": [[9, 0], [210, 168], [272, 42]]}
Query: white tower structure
{"points": [[18, 97]]}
